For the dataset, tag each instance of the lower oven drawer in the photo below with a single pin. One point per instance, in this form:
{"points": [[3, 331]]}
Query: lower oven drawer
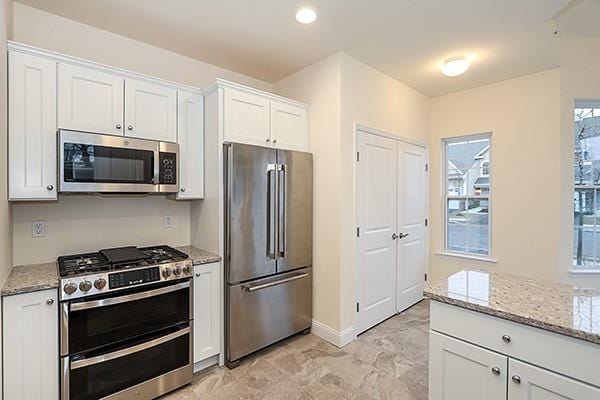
{"points": [[143, 370], [267, 310]]}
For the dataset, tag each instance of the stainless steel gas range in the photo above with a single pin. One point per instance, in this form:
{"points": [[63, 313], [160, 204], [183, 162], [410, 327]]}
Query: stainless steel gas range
{"points": [[125, 323]]}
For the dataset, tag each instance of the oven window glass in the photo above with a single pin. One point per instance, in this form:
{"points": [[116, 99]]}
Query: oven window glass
{"points": [[100, 326], [107, 377], [88, 163]]}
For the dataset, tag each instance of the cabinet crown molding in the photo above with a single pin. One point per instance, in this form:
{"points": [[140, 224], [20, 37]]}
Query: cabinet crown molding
{"points": [[13, 46], [224, 84]]}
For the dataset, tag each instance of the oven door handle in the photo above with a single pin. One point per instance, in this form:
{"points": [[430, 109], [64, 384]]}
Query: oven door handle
{"points": [[86, 305], [134, 349]]}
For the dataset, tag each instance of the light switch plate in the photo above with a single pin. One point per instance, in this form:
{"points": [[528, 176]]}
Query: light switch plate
{"points": [[167, 222], [38, 229]]}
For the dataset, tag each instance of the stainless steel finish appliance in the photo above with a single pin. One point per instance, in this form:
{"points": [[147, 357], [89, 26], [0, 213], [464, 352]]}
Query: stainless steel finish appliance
{"points": [[126, 321], [268, 247], [94, 163]]}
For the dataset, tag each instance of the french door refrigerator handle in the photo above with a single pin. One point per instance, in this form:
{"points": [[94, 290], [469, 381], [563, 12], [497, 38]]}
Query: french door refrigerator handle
{"points": [[271, 211], [282, 181]]}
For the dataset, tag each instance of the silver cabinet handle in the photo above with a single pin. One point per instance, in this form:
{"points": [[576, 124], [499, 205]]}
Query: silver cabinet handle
{"points": [[182, 190], [118, 126], [496, 371], [50, 187], [252, 288], [516, 379], [274, 141], [50, 302], [403, 235], [506, 338], [130, 127], [268, 140], [198, 274]]}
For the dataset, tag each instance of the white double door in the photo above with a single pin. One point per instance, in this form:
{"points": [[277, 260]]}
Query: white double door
{"points": [[391, 201]]}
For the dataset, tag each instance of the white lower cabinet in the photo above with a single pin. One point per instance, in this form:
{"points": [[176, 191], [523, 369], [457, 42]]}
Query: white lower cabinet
{"points": [[532, 383], [207, 308], [30, 346], [461, 371]]}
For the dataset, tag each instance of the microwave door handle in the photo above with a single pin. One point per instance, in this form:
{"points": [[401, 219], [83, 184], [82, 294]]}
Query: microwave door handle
{"points": [[156, 179], [86, 305], [130, 350]]}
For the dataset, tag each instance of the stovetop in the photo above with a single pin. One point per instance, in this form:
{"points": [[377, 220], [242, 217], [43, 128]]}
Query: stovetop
{"points": [[116, 259]]}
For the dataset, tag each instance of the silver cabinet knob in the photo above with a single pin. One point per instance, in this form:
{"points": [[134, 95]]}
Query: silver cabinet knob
{"points": [[118, 126], [50, 187], [182, 189], [130, 127], [496, 371], [50, 302], [516, 379], [506, 338], [268, 140], [198, 274], [394, 236], [274, 141]]}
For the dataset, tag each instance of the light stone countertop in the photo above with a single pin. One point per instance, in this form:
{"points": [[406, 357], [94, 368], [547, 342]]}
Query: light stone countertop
{"points": [[552, 306], [35, 277]]}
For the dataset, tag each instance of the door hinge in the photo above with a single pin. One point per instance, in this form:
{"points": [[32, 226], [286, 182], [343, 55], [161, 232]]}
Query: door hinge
{"points": [[357, 307], [426, 167], [426, 222], [425, 277], [357, 232], [357, 156]]}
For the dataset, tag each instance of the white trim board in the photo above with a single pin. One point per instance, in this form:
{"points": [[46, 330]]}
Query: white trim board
{"points": [[333, 336]]}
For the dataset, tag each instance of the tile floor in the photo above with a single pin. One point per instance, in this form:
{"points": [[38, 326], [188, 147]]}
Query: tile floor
{"points": [[386, 362]]}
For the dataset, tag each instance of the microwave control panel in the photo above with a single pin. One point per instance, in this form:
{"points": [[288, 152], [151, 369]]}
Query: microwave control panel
{"points": [[168, 168]]}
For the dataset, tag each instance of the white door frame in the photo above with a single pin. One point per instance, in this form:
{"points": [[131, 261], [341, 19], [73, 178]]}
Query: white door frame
{"points": [[358, 127]]}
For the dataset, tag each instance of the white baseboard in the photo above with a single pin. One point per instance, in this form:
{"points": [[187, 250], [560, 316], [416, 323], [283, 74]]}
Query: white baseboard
{"points": [[333, 336], [209, 362]]}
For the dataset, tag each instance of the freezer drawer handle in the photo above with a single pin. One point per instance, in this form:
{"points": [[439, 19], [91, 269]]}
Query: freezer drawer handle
{"points": [[128, 351], [251, 288], [131, 297]]}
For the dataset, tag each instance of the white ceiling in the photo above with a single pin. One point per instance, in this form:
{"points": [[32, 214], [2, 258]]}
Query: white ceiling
{"points": [[406, 39]]}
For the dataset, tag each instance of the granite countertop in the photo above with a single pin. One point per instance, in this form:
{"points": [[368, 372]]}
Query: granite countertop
{"points": [[35, 277], [552, 306]]}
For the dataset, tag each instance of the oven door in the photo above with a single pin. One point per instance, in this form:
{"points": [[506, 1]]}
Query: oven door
{"points": [[146, 368], [104, 163], [105, 320]]}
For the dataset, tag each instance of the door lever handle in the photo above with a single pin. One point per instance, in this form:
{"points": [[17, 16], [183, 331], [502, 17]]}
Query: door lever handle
{"points": [[400, 236]]}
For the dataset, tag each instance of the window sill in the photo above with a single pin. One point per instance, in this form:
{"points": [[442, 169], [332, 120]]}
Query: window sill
{"points": [[466, 257], [584, 272]]}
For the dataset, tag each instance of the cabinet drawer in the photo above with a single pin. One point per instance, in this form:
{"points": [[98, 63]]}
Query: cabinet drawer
{"points": [[563, 354]]}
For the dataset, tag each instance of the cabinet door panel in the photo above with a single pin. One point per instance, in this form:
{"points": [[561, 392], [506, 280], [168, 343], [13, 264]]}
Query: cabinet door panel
{"points": [[540, 384], [289, 126], [246, 118], [90, 100], [190, 137], [461, 371], [150, 111], [30, 340], [207, 308], [32, 128]]}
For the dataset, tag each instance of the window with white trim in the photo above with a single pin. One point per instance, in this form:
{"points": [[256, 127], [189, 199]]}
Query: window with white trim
{"points": [[467, 195], [586, 201]]}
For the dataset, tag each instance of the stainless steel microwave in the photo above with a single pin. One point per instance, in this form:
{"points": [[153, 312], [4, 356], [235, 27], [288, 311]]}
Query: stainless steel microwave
{"points": [[95, 163]]}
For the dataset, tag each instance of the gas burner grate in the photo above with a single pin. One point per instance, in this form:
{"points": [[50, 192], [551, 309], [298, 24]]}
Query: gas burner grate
{"points": [[82, 263]]}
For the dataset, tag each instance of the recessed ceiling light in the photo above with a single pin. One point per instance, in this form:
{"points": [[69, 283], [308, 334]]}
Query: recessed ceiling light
{"points": [[306, 16], [455, 66]]}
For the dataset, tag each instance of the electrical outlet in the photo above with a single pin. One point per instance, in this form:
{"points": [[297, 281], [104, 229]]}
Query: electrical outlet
{"points": [[167, 222], [38, 229]]}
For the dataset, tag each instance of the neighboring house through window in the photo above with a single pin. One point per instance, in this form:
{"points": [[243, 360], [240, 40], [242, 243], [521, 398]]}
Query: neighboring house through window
{"points": [[467, 195], [586, 201]]}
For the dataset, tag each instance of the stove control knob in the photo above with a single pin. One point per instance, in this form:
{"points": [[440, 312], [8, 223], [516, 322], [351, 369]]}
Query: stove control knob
{"points": [[100, 283], [187, 269], [166, 272], [70, 288], [84, 286], [177, 270]]}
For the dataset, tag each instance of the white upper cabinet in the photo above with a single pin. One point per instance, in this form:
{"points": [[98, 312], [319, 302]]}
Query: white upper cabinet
{"points": [[246, 118], [90, 100], [31, 127], [289, 126], [190, 137], [150, 111]]}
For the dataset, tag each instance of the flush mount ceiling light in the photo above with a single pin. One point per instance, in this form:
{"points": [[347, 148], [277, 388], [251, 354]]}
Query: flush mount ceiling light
{"points": [[306, 16], [455, 66]]}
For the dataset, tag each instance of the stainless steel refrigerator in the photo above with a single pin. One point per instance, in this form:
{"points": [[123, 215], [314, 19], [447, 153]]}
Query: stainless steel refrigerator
{"points": [[268, 247]]}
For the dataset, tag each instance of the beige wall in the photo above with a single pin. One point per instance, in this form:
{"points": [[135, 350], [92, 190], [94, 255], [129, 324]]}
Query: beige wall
{"points": [[320, 86], [81, 223], [523, 115], [579, 80], [342, 91]]}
